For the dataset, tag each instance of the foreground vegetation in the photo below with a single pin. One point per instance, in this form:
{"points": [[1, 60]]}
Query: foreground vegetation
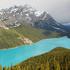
{"points": [[57, 59]]}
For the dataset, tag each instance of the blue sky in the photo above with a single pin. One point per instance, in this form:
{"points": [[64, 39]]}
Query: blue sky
{"points": [[59, 9]]}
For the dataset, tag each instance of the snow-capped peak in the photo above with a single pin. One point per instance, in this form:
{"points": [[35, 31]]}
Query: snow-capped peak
{"points": [[22, 13], [38, 13], [14, 10]]}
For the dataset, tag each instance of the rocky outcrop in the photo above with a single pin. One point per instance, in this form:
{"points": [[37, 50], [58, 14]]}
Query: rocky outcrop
{"points": [[25, 40], [2, 25]]}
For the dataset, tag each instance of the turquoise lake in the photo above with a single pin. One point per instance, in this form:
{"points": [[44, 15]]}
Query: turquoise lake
{"points": [[16, 55]]}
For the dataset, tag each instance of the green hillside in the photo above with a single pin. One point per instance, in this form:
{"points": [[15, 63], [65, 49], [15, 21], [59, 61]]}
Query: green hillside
{"points": [[35, 34], [31, 33], [10, 38]]}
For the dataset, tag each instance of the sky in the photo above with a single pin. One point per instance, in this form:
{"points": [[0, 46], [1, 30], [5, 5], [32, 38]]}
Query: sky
{"points": [[58, 9]]}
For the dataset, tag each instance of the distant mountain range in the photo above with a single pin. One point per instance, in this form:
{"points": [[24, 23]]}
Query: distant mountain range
{"points": [[26, 15]]}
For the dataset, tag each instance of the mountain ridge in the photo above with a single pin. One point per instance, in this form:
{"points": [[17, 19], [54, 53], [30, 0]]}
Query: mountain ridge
{"points": [[16, 15], [26, 15]]}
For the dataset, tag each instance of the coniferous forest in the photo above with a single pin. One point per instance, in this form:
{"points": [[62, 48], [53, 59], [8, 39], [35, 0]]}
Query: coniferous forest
{"points": [[57, 59]]}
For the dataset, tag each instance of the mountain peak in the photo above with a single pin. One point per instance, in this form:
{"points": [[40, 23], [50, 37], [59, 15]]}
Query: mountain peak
{"points": [[16, 15]]}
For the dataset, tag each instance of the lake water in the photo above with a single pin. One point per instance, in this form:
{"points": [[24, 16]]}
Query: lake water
{"points": [[13, 56]]}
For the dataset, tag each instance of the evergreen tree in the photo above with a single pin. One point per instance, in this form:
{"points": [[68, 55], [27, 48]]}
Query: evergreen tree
{"points": [[5, 68], [18, 67], [8, 68], [47, 65], [0, 67], [58, 66]]}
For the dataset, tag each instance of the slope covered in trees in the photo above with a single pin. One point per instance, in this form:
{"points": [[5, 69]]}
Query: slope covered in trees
{"points": [[57, 59]]}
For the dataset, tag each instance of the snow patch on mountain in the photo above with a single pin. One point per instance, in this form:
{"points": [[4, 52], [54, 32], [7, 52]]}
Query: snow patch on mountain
{"points": [[38, 13]]}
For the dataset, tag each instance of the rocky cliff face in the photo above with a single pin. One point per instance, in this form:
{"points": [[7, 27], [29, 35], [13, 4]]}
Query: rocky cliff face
{"points": [[25, 40], [26, 15], [16, 15]]}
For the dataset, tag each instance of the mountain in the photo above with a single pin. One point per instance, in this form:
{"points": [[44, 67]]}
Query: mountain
{"points": [[14, 16], [19, 21], [26, 15]]}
